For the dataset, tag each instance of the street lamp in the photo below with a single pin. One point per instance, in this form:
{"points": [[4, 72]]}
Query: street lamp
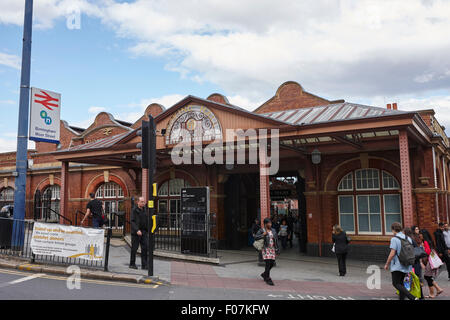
{"points": [[316, 158]]}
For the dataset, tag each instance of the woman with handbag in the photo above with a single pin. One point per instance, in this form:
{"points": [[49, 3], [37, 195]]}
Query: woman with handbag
{"points": [[430, 274], [340, 248], [270, 248]]}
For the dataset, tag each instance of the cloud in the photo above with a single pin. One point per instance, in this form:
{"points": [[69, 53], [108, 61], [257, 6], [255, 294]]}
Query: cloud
{"points": [[336, 49], [10, 60], [7, 102], [96, 110]]}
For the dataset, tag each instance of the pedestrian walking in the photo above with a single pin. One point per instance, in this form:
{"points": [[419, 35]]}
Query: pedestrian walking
{"points": [[428, 243], [447, 236], [255, 228], [270, 249], [283, 233], [94, 208], [290, 223], [441, 247], [430, 276], [399, 270], [139, 234], [340, 242]]}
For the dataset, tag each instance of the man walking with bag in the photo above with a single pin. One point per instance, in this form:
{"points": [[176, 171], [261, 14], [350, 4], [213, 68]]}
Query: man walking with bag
{"points": [[441, 246], [399, 269], [139, 234]]}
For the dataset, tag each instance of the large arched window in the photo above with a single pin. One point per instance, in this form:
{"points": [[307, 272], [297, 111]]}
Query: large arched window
{"points": [[369, 202], [6, 197], [169, 195], [111, 195], [50, 203]]}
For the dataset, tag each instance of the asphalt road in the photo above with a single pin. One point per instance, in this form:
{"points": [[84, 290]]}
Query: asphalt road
{"points": [[17, 285]]}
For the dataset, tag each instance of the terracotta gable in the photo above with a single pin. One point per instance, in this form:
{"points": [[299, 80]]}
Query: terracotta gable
{"points": [[290, 95]]}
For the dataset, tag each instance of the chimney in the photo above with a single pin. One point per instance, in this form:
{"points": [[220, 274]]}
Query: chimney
{"points": [[389, 106], [394, 106]]}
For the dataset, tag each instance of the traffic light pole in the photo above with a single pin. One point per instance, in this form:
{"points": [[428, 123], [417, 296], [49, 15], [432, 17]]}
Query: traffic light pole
{"points": [[151, 192]]}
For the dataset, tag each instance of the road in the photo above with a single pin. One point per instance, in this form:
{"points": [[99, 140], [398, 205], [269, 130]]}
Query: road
{"points": [[17, 285]]}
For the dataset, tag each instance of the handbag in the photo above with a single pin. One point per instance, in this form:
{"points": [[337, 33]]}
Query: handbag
{"points": [[259, 244], [434, 260]]}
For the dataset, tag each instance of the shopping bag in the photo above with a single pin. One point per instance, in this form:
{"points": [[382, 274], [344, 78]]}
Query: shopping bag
{"points": [[412, 284], [434, 260], [259, 244], [334, 248]]}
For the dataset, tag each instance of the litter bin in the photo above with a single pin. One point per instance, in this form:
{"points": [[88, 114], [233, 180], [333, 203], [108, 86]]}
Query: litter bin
{"points": [[6, 226]]}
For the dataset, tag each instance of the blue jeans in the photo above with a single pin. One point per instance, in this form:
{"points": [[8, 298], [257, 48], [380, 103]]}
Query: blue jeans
{"points": [[97, 222]]}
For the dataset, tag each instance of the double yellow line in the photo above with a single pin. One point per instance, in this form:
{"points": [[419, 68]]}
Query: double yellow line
{"points": [[102, 282]]}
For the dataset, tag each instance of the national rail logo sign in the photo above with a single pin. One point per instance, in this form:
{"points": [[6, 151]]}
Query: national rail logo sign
{"points": [[45, 113]]}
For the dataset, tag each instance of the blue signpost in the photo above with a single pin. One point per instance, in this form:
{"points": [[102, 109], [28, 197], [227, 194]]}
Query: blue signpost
{"points": [[22, 133]]}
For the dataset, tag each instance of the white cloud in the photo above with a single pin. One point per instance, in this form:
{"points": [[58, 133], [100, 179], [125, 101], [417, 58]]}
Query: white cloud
{"points": [[10, 60], [8, 102], [96, 110], [8, 143]]}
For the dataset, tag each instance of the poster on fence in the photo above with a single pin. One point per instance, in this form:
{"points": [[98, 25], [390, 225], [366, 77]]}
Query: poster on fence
{"points": [[67, 241]]}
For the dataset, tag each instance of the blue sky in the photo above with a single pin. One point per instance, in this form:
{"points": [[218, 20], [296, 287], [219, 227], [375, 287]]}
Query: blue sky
{"points": [[128, 54]]}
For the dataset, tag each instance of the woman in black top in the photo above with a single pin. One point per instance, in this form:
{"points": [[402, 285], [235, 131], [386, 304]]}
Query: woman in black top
{"points": [[340, 248]]}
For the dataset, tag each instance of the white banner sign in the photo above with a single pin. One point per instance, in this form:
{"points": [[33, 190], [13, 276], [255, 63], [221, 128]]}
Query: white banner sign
{"points": [[45, 109], [67, 241]]}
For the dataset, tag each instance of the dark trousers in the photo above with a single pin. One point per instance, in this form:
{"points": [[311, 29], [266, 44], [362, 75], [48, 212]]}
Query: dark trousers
{"points": [[397, 281], [341, 257], [135, 242], [269, 266], [283, 241], [97, 222], [446, 259]]}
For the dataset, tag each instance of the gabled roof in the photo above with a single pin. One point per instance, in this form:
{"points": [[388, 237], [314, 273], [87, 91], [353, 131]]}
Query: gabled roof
{"points": [[330, 113]]}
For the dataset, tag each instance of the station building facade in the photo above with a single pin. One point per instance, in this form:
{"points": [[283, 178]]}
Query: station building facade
{"points": [[359, 166]]}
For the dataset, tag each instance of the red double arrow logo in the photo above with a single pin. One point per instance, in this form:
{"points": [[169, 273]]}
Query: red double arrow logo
{"points": [[47, 100]]}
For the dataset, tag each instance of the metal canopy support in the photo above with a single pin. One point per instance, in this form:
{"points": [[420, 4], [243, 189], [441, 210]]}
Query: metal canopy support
{"points": [[406, 179]]}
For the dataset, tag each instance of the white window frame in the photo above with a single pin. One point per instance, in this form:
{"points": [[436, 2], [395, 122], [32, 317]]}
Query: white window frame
{"points": [[386, 227], [389, 188], [368, 205], [353, 214], [367, 189], [109, 190], [8, 192], [346, 179]]}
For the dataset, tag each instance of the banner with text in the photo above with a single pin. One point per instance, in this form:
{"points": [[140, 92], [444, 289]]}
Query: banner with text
{"points": [[67, 241], [45, 110]]}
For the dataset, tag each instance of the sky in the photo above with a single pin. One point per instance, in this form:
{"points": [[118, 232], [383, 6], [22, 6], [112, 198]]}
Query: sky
{"points": [[120, 56]]}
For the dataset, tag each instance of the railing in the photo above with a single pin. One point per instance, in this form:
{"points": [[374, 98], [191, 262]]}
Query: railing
{"points": [[188, 233], [15, 240], [58, 214]]}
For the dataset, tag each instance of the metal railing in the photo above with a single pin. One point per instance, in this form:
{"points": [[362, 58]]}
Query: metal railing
{"points": [[15, 240], [186, 233], [46, 215]]}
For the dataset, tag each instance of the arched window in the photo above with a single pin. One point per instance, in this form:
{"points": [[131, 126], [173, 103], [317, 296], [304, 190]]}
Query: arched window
{"points": [[111, 195], [169, 195], [50, 203], [369, 202], [6, 197]]}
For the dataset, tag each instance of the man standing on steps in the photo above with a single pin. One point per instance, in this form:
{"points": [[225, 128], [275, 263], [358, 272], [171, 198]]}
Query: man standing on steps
{"points": [[139, 234], [94, 207]]}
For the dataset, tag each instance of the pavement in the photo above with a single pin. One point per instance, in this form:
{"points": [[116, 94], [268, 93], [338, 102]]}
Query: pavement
{"points": [[296, 276]]}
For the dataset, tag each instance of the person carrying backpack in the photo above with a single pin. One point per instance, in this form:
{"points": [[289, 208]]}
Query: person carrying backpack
{"points": [[400, 260]]}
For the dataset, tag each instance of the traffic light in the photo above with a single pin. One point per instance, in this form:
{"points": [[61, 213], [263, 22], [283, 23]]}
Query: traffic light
{"points": [[144, 145]]}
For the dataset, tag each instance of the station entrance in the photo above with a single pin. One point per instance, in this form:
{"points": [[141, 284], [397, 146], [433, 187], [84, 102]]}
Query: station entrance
{"points": [[241, 208]]}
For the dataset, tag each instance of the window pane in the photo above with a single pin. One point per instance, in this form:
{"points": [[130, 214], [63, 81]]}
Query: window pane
{"points": [[346, 183], [363, 222], [375, 223], [374, 204], [363, 206], [347, 222], [390, 219], [163, 190], [392, 203], [346, 204], [367, 179]]}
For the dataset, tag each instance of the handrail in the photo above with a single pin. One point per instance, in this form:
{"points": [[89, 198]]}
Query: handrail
{"points": [[76, 215], [59, 215]]}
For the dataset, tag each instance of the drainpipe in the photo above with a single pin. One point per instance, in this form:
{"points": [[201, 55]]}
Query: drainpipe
{"points": [[435, 184], [445, 186]]}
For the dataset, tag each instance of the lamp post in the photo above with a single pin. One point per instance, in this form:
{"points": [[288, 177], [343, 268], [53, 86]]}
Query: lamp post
{"points": [[316, 158]]}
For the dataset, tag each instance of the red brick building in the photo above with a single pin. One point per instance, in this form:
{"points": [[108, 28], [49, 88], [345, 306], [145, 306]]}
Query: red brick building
{"points": [[376, 166]]}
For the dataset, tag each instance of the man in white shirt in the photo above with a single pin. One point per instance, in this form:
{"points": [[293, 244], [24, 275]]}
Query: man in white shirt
{"points": [[447, 235]]}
